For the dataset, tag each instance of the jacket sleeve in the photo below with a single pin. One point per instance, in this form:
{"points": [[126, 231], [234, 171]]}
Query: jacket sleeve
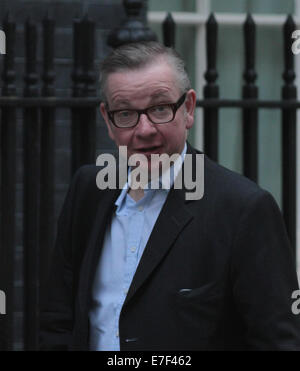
{"points": [[264, 277], [56, 320]]}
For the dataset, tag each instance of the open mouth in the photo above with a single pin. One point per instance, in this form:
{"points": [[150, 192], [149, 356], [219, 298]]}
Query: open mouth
{"points": [[149, 149]]}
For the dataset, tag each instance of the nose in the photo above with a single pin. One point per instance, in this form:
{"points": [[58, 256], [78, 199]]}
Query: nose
{"points": [[145, 127]]}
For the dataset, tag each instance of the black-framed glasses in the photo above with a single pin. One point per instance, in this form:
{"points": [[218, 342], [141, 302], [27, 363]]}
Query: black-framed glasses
{"points": [[158, 114]]}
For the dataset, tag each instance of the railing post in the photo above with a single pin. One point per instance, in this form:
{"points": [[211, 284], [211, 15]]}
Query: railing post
{"points": [[31, 194], [88, 129], [250, 115], [289, 92], [8, 188], [211, 90], [84, 119], [47, 154], [169, 31], [133, 29], [77, 76]]}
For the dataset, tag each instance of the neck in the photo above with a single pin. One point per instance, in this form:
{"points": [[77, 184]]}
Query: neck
{"points": [[136, 194]]}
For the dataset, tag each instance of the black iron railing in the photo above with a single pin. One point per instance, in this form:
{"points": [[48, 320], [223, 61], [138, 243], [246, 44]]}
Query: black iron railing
{"points": [[39, 115], [250, 105]]}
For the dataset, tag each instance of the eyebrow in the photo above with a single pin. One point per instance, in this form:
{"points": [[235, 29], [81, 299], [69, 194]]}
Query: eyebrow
{"points": [[160, 95], [153, 98], [123, 102]]}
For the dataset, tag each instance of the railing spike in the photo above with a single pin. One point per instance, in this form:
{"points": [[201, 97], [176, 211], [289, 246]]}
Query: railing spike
{"points": [[169, 28]]}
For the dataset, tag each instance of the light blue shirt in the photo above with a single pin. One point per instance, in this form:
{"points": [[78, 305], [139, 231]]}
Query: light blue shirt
{"points": [[124, 243]]}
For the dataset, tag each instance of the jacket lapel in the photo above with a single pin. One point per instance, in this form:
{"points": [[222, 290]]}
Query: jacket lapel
{"points": [[175, 215], [94, 247]]}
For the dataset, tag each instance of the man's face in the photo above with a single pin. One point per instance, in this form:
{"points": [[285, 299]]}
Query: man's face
{"points": [[138, 89]]}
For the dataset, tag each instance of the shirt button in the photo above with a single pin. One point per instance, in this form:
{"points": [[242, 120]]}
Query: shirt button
{"points": [[141, 208], [117, 334], [125, 292], [133, 249]]}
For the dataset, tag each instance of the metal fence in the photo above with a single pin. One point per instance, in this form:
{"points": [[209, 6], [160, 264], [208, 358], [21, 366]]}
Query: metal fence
{"points": [[39, 112], [39, 107], [249, 104], [38, 149]]}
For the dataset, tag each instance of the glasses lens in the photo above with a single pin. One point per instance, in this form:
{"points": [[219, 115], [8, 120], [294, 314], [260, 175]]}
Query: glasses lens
{"points": [[160, 114], [125, 118]]}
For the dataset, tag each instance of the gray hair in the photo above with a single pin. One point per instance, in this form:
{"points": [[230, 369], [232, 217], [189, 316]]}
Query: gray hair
{"points": [[140, 54]]}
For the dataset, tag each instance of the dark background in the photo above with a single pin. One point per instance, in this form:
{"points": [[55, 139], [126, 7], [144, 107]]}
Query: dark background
{"points": [[107, 15]]}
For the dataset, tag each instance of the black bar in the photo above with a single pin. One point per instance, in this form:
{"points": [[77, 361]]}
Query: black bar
{"points": [[250, 115], [79, 102], [211, 90], [78, 87], [31, 194], [169, 31], [8, 188], [84, 119], [47, 154], [289, 92], [88, 115]]}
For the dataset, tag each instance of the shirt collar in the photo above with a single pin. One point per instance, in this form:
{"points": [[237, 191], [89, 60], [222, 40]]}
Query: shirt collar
{"points": [[165, 181]]}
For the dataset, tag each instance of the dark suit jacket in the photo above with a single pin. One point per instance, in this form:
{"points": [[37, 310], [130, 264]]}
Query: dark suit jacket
{"points": [[229, 249]]}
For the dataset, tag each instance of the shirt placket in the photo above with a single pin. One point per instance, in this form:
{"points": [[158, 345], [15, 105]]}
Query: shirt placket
{"points": [[136, 222], [133, 242]]}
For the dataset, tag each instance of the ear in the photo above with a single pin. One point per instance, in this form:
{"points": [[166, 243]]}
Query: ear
{"points": [[107, 121], [190, 105]]}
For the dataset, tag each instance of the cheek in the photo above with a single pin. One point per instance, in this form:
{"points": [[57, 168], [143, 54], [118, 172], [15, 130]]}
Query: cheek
{"points": [[176, 137], [122, 138], [177, 132]]}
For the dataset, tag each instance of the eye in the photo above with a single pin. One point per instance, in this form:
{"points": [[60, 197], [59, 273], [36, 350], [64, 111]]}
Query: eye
{"points": [[159, 109], [124, 114]]}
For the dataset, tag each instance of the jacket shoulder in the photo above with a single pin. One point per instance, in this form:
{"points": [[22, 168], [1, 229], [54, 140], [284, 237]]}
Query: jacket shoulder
{"points": [[229, 183]]}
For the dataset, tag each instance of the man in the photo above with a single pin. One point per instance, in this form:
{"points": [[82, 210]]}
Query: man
{"points": [[147, 269]]}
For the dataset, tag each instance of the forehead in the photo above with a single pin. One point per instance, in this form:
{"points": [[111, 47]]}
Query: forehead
{"points": [[153, 79]]}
